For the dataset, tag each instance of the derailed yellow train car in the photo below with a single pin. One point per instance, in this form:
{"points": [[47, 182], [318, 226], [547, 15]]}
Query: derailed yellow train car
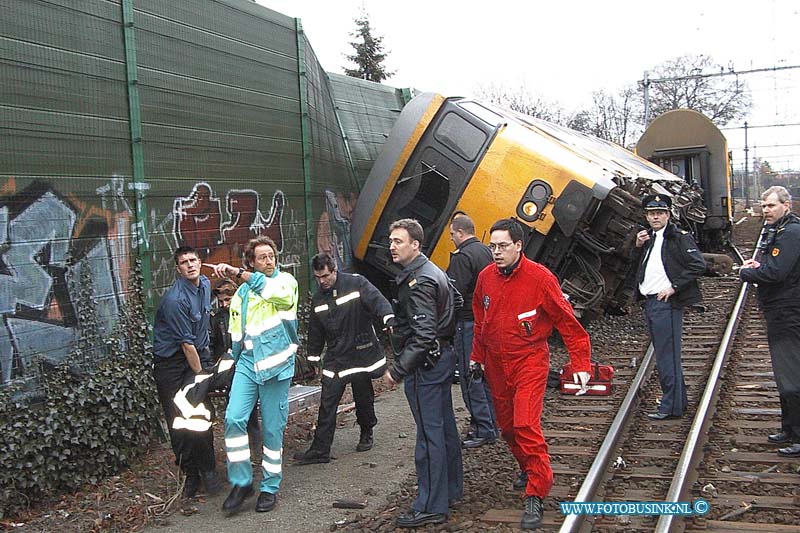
{"points": [[577, 195]]}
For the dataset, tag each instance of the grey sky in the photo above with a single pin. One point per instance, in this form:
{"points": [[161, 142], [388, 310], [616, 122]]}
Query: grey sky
{"points": [[565, 50]]}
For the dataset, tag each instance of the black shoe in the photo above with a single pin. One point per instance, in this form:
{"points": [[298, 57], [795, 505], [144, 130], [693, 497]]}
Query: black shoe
{"points": [[418, 518], [477, 442], [365, 441], [521, 482], [781, 438], [790, 451], [310, 457], [236, 498], [658, 415], [266, 502], [532, 515], [191, 485], [211, 482]]}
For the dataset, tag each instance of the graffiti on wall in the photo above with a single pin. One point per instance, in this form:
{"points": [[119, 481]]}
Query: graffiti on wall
{"points": [[51, 241], [333, 228], [199, 223], [49, 244]]}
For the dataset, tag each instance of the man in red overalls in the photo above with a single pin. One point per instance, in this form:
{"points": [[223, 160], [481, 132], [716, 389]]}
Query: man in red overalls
{"points": [[516, 304]]}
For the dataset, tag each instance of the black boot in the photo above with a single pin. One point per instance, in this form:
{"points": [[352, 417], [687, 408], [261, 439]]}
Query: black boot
{"points": [[211, 482], [310, 457], [236, 498], [191, 485], [365, 441], [266, 502], [532, 515]]}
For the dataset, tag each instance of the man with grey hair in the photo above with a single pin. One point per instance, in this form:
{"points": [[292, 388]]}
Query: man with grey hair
{"points": [[776, 270]]}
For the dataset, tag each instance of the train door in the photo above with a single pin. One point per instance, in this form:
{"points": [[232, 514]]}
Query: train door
{"points": [[434, 178]]}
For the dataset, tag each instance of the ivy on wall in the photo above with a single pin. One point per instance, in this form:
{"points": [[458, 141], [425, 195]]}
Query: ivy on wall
{"points": [[96, 414]]}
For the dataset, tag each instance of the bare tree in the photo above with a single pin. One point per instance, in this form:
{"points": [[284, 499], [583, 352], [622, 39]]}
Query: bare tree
{"points": [[521, 100], [683, 82], [369, 56], [611, 117]]}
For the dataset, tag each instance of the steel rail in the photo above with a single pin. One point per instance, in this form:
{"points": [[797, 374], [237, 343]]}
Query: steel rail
{"points": [[689, 455], [594, 477]]}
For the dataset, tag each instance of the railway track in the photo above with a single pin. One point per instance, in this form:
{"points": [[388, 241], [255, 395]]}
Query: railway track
{"points": [[718, 451], [606, 449]]}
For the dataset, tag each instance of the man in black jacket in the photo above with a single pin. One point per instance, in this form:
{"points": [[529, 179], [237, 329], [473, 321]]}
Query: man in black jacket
{"points": [[342, 312], [777, 272], [466, 262], [425, 361], [667, 279]]}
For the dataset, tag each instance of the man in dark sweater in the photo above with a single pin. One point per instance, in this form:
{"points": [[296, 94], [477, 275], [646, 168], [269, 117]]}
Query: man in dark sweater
{"points": [[466, 262]]}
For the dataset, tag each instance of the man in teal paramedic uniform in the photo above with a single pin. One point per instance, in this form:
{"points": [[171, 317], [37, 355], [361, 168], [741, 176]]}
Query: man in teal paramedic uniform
{"points": [[263, 328]]}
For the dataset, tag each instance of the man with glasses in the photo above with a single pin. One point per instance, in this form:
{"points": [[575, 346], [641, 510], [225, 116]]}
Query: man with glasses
{"points": [[516, 303], [667, 281], [263, 328]]}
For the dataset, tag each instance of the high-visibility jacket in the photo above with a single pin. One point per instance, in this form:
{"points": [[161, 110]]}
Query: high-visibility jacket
{"points": [[342, 318], [270, 329], [193, 414]]}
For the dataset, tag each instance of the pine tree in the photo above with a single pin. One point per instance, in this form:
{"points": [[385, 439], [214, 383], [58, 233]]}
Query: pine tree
{"points": [[369, 54]]}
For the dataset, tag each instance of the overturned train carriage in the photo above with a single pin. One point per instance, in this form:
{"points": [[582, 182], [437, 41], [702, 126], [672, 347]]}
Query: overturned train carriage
{"points": [[578, 195]]}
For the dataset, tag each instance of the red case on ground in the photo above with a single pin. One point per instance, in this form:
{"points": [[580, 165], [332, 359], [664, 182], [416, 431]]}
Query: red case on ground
{"points": [[599, 383]]}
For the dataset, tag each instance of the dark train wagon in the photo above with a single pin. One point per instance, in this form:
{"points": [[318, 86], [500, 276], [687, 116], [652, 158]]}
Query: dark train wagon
{"points": [[689, 145]]}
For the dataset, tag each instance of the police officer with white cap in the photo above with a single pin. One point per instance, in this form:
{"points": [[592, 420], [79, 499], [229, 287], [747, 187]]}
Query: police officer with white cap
{"points": [[667, 281]]}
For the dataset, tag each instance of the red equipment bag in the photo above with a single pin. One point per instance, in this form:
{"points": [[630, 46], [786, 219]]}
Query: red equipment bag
{"points": [[599, 383]]}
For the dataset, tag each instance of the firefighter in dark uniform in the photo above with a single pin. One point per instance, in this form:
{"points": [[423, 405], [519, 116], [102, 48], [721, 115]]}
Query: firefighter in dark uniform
{"points": [[342, 314], [667, 281], [425, 361], [777, 272]]}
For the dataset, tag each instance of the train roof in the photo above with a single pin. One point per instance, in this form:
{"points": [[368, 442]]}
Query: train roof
{"points": [[611, 159]]}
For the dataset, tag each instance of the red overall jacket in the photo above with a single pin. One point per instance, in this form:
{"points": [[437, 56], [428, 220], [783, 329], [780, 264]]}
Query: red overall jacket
{"points": [[515, 314]]}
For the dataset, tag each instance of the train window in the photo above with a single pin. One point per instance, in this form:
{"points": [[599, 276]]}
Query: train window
{"points": [[460, 136], [486, 115], [426, 192]]}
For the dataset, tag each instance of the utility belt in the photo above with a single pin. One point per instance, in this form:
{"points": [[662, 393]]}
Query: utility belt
{"points": [[435, 353], [204, 354]]}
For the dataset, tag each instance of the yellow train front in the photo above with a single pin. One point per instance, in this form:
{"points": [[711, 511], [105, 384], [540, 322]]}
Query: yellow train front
{"points": [[578, 195]]}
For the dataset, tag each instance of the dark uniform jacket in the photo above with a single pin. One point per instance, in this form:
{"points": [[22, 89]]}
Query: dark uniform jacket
{"points": [[778, 277], [219, 337], [682, 262], [424, 313], [342, 317], [466, 262]]}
